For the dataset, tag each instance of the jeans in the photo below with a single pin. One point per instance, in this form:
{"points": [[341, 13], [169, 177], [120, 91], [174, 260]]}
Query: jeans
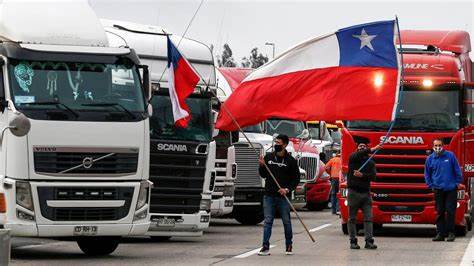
{"points": [[270, 204], [445, 210], [363, 201], [334, 191]]}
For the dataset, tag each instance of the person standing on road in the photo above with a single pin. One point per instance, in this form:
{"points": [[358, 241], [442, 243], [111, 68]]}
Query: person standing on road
{"points": [[358, 184], [443, 176], [286, 171], [333, 168]]}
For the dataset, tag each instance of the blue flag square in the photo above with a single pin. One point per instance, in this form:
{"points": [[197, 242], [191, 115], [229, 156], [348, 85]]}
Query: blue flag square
{"points": [[368, 45]]}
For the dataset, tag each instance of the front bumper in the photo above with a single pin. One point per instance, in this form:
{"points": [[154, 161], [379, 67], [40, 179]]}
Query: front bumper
{"points": [[184, 225], [426, 216], [222, 206], [318, 192], [58, 217]]}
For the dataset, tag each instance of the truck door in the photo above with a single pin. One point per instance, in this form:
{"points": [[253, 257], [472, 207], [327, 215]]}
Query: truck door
{"points": [[468, 138]]}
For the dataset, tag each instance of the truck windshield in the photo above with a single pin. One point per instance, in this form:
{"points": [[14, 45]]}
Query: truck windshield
{"points": [[77, 91], [253, 129], [288, 127], [162, 122], [421, 111]]}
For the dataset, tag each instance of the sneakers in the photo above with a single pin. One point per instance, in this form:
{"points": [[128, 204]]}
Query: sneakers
{"points": [[451, 237], [438, 237], [354, 244], [369, 244], [289, 250], [264, 251]]}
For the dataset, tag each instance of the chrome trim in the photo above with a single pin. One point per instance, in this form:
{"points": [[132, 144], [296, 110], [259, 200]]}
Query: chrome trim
{"points": [[85, 203], [89, 162]]}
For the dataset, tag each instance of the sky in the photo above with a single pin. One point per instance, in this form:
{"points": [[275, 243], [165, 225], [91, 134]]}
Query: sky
{"points": [[248, 24]]}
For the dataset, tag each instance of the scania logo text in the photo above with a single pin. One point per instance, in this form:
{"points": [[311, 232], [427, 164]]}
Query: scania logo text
{"points": [[403, 140], [171, 147]]}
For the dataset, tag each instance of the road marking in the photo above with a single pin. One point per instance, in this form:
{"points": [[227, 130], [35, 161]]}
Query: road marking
{"points": [[468, 258], [319, 227], [255, 251], [250, 253]]}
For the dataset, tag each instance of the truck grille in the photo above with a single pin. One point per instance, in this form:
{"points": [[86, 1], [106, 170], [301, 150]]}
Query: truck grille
{"points": [[400, 165], [178, 178], [111, 163], [84, 193], [310, 165], [415, 195], [247, 170], [221, 175]]}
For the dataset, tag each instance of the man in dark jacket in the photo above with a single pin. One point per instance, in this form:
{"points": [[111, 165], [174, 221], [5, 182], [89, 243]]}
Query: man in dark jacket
{"points": [[286, 171], [443, 176], [358, 184]]}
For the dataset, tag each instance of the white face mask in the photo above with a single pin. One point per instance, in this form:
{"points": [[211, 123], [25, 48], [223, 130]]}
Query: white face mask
{"points": [[438, 149]]}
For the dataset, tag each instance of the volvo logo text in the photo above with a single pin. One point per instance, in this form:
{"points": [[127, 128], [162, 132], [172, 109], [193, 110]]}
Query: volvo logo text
{"points": [[171, 147], [403, 140]]}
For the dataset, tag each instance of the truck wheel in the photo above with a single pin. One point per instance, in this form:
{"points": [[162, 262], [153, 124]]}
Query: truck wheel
{"points": [[469, 223], [98, 246], [344, 229], [248, 218], [461, 230], [316, 206], [160, 238]]}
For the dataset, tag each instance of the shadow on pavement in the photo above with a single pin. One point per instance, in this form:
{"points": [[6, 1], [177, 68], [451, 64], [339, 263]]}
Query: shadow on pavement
{"points": [[405, 231]]}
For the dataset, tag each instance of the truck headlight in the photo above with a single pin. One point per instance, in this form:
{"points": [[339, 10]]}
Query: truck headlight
{"points": [[205, 205], [461, 194], [23, 195], [143, 194]]}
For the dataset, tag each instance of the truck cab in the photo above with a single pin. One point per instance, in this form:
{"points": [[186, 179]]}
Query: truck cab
{"points": [[74, 120], [182, 160], [436, 102]]}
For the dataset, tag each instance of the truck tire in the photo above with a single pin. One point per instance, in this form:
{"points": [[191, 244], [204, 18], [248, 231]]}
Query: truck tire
{"points": [[98, 246], [344, 229], [316, 206], [469, 223], [160, 238], [248, 218], [461, 230]]}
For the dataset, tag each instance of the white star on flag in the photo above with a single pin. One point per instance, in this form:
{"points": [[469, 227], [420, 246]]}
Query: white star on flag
{"points": [[365, 39]]}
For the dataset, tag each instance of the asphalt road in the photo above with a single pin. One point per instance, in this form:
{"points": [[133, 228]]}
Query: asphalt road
{"points": [[228, 243]]}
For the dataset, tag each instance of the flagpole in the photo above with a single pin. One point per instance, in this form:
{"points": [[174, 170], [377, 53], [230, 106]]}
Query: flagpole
{"points": [[402, 75]]}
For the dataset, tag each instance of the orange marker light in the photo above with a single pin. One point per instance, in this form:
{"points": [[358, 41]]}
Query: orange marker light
{"points": [[427, 83]]}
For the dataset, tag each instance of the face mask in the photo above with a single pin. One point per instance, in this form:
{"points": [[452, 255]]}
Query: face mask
{"points": [[438, 149], [278, 148]]}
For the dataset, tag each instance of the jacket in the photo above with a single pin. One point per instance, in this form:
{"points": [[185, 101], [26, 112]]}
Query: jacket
{"points": [[356, 160], [286, 171], [442, 171], [334, 167]]}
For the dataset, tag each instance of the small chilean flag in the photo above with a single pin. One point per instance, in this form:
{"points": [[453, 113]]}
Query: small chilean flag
{"points": [[182, 79], [352, 74]]}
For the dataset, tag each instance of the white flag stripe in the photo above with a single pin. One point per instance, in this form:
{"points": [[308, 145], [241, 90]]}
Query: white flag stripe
{"points": [[321, 52], [178, 112]]}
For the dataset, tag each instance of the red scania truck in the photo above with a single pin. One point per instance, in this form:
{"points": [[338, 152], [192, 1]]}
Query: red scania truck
{"points": [[437, 102]]}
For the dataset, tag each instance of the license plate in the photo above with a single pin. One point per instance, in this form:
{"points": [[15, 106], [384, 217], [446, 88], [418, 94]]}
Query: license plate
{"points": [[166, 222], [401, 218], [85, 230]]}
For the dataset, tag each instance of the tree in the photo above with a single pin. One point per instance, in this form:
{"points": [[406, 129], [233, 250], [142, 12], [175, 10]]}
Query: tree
{"points": [[226, 59], [255, 60]]}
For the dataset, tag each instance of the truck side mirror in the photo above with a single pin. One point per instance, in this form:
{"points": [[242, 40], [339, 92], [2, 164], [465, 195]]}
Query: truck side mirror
{"points": [[18, 124], [146, 81]]}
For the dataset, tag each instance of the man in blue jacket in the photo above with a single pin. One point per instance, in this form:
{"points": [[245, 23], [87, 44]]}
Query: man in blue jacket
{"points": [[443, 175]]}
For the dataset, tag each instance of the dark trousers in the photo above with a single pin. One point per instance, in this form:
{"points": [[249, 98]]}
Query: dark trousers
{"points": [[360, 201], [334, 191], [270, 204], [445, 210]]}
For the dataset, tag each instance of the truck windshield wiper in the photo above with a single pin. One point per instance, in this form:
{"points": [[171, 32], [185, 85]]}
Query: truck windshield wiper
{"points": [[112, 104], [57, 104]]}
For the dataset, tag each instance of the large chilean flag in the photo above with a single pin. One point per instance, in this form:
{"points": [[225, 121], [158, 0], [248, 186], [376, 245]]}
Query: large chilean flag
{"points": [[182, 80], [352, 74]]}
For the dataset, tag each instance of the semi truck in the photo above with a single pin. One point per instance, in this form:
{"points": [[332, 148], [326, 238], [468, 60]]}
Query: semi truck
{"points": [[74, 119], [182, 160], [436, 103]]}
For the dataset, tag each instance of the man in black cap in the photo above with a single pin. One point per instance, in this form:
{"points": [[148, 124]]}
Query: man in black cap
{"points": [[358, 184]]}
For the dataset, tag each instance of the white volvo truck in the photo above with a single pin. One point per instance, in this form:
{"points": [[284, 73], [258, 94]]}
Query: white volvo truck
{"points": [[74, 148], [182, 160]]}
